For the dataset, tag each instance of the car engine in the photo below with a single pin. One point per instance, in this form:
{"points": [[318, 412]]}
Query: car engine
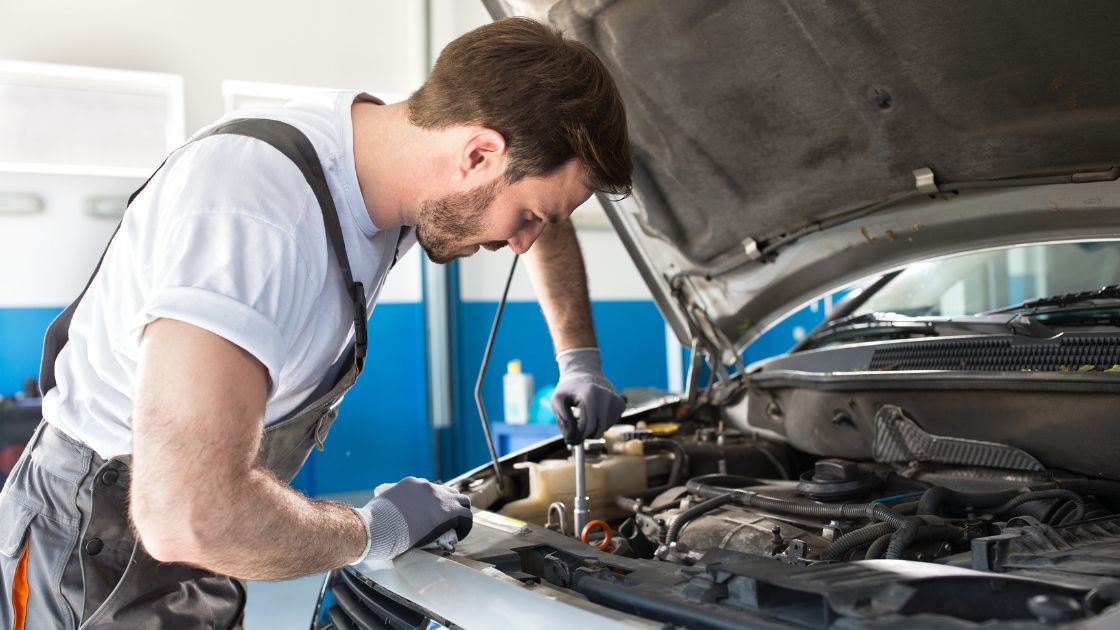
{"points": [[702, 496], [673, 492]]}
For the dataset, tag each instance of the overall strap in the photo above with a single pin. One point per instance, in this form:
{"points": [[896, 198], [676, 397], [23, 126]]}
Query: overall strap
{"points": [[296, 147]]}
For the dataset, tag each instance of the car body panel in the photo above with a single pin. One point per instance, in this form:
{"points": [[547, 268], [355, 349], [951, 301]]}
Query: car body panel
{"points": [[474, 594]]}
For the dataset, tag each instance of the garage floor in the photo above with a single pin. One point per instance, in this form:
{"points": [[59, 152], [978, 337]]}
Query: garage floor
{"points": [[282, 605]]}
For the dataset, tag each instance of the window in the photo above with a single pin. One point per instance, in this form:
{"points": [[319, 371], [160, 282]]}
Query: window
{"points": [[72, 120]]}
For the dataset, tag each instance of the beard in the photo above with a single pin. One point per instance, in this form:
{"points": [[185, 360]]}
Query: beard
{"points": [[446, 227]]}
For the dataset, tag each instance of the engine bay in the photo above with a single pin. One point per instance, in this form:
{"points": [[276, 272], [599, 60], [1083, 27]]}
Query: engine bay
{"points": [[690, 495]]}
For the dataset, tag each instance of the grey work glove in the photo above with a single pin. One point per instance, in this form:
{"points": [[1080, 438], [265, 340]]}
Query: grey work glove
{"points": [[412, 513], [582, 384]]}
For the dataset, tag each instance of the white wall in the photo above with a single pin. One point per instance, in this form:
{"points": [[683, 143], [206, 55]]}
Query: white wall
{"points": [[377, 45], [368, 44], [451, 18]]}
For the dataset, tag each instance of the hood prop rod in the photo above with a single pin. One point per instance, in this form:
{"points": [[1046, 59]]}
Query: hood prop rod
{"points": [[482, 374]]}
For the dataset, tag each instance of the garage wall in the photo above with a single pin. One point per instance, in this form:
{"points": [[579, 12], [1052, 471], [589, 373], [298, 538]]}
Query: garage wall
{"points": [[374, 44]]}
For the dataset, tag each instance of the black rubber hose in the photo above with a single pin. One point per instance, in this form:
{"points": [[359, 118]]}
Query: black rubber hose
{"points": [[1043, 495], [842, 546], [628, 504], [930, 503], [948, 533], [1065, 511], [908, 508], [878, 546], [680, 459], [691, 513], [904, 529], [725, 481], [680, 456], [1097, 487], [1059, 512], [779, 467], [635, 501], [932, 499]]}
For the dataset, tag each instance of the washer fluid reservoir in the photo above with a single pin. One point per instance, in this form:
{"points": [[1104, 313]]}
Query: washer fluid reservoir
{"points": [[555, 480]]}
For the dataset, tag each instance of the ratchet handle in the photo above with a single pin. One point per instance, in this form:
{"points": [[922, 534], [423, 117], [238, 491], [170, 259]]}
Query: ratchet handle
{"points": [[569, 423]]}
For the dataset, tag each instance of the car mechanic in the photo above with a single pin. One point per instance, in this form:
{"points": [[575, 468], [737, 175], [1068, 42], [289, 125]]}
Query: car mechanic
{"points": [[208, 354]]}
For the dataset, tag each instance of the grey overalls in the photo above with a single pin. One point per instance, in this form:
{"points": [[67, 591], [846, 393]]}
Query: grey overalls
{"points": [[64, 512]]}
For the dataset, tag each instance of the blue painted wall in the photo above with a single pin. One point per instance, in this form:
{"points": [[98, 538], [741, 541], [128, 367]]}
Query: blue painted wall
{"points": [[21, 344], [382, 432], [631, 337]]}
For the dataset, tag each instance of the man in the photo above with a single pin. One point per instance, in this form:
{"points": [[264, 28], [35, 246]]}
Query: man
{"points": [[208, 355]]}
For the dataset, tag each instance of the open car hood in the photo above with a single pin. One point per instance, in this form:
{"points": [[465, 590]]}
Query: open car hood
{"points": [[785, 149]]}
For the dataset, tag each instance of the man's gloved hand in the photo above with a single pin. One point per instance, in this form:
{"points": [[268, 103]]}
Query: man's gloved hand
{"points": [[582, 384], [412, 513]]}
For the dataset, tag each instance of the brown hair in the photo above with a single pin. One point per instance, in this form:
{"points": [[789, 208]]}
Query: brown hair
{"points": [[550, 98]]}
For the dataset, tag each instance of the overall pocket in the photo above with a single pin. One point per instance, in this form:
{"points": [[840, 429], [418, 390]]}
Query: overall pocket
{"points": [[34, 552], [15, 520], [14, 523]]}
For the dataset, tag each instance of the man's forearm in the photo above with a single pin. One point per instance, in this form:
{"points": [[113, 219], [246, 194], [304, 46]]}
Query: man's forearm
{"points": [[555, 267], [268, 531]]}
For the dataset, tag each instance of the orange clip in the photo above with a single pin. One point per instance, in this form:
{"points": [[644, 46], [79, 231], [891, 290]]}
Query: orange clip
{"points": [[606, 532]]}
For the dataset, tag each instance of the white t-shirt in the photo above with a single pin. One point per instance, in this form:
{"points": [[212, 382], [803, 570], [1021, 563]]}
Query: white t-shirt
{"points": [[228, 237]]}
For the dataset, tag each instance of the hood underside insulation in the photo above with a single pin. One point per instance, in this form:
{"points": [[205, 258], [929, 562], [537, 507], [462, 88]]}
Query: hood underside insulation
{"points": [[751, 120]]}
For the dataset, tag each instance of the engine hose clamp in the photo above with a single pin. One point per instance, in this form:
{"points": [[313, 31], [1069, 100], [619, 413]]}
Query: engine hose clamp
{"points": [[591, 525]]}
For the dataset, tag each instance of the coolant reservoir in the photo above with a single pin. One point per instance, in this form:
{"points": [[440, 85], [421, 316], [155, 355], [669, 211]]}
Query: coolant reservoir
{"points": [[555, 480]]}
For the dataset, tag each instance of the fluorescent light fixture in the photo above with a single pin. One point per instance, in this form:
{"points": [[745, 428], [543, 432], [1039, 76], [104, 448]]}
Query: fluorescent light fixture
{"points": [[20, 203], [62, 119], [106, 206], [34, 168]]}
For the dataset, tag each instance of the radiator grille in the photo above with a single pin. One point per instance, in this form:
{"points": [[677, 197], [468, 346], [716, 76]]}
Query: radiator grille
{"points": [[361, 605]]}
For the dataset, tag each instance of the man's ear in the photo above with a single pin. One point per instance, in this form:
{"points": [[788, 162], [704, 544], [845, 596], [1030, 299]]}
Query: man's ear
{"points": [[483, 156]]}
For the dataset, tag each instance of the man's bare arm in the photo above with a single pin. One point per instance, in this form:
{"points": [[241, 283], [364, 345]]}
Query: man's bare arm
{"points": [[555, 267], [198, 495]]}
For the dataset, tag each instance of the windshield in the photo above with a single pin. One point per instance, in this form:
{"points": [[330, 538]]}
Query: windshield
{"points": [[974, 283]]}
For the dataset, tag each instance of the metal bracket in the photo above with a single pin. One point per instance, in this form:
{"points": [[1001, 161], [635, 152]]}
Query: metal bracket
{"points": [[796, 553], [750, 249], [924, 181]]}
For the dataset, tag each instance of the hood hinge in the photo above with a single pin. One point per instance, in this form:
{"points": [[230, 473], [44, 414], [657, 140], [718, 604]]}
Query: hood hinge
{"points": [[719, 351]]}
